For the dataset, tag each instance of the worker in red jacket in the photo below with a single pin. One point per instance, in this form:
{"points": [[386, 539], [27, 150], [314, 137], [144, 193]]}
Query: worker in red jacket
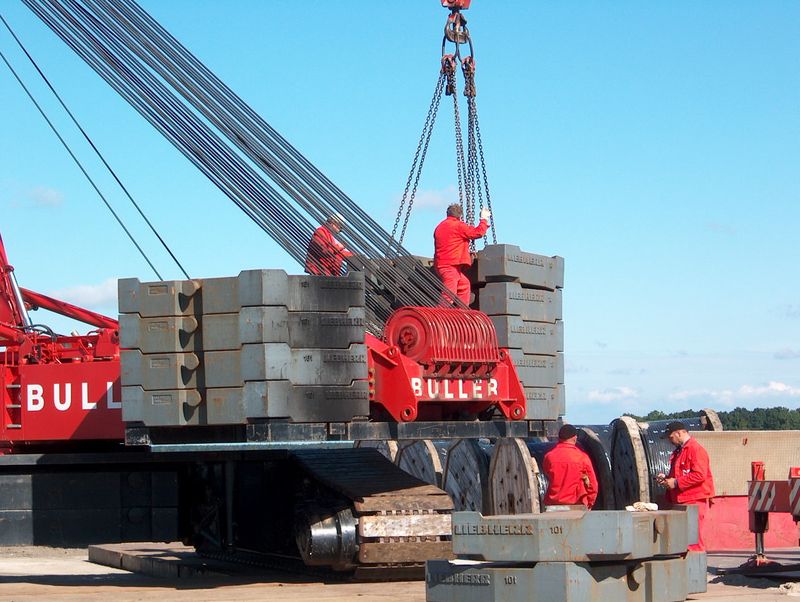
{"points": [[451, 255], [569, 471], [690, 480], [325, 254]]}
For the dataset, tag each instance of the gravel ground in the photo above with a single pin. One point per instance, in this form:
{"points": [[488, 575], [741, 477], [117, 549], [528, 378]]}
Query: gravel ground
{"points": [[62, 575]]}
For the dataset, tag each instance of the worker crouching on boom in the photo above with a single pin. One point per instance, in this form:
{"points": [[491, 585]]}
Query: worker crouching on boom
{"points": [[326, 255], [451, 255]]}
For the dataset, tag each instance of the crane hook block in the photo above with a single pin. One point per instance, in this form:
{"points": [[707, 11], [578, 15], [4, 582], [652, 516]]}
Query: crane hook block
{"points": [[456, 4]]}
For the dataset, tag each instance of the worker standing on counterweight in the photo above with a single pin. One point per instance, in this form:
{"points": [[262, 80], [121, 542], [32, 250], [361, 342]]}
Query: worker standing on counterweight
{"points": [[451, 255]]}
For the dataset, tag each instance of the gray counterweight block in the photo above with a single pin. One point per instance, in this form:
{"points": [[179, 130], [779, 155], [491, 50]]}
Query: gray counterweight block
{"points": [[540, 338], [157, 299], [662, 580], [281, 399], [507, 263], [274, 287], [158, 335], [276, 324], [153, 371], [278, 361], [573, 536], [545, 403], [162, 407], [509, 298], [538, 370]]}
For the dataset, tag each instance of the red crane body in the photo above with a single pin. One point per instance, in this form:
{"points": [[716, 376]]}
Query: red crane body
{"points": [[432, 364], [55, 388]]}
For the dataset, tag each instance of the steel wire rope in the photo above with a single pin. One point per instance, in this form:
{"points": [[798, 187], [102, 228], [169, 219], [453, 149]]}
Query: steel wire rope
{"points": [[247, 108], [299, 252], [240, 139], [192, 152], [194, 155], [312, 172], [79, 164], [238, 134], [94, 147]]}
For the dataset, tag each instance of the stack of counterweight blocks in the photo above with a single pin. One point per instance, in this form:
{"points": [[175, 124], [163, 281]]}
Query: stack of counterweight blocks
{"points": [[521, 292], [228, 351]]}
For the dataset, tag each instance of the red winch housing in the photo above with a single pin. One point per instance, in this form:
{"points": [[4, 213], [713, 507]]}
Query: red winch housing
{"points": [[441, 364]]}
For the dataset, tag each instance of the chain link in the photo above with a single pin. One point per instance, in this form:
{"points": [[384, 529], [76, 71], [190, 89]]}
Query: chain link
{"points": [[419, 160], [473, 181], [483, 171], [460, 165]]}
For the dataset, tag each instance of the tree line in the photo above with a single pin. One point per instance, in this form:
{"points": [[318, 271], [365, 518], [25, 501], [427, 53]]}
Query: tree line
{"points": [[739, 419]]}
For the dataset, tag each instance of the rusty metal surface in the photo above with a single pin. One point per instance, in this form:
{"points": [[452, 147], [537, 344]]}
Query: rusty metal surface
{"points": [[731, 453]]}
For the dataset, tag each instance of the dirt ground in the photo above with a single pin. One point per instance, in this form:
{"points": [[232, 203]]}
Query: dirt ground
{"points": [[28, 573]]}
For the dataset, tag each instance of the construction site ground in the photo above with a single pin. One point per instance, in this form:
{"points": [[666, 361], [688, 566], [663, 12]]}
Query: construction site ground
{"points": [[38, 573]]}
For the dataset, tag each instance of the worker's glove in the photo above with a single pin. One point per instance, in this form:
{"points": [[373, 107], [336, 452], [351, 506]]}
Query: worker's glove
{"points": [[486, 214]]}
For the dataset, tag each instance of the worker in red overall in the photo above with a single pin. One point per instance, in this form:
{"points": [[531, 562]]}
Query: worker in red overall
{"points": [[690, 480], [325, 254], [569, 471], [451, 255]]}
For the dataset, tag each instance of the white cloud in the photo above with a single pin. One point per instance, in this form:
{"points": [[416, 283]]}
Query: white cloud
{"points": [[433, 199], [43, 196], [612, 394], [746, 393], [90, 295], [721, 228], [628, 371], [792, 311], [786, 354]]}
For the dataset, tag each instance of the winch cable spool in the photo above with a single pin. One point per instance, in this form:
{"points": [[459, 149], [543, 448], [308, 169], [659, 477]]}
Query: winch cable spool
{"points": [[466, 474], [233, 146], [658, 449], [639, 454], [473, 180]]}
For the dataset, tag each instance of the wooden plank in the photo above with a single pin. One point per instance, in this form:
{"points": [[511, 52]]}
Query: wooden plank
{"points": [[404, 551], [416, 491], [513, 482], [404, 525], [386, 503]]}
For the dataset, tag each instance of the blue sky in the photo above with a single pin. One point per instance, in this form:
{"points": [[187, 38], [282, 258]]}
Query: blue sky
{"points": [[655, 147]]}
